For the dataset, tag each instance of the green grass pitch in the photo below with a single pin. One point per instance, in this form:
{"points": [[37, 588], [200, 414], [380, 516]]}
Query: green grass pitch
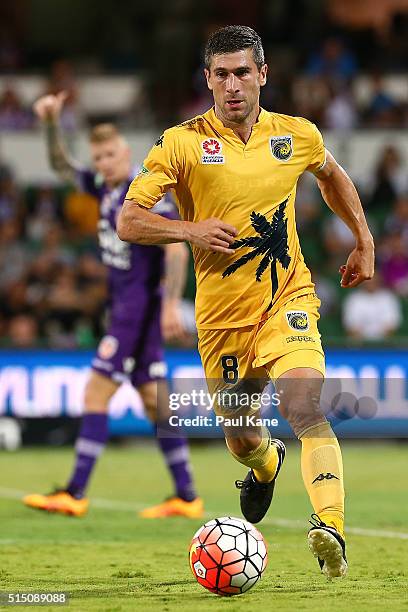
{"points": [[113, 561]]}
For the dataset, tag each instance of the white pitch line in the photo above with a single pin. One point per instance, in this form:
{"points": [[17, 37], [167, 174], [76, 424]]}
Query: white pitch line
{"points": [[375, 533], [123, 506]]}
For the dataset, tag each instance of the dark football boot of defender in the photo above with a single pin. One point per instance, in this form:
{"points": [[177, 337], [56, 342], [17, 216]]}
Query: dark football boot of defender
{"points": [[256, 496]]}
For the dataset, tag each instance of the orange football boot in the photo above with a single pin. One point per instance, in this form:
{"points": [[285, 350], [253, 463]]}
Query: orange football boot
{"points": [[175, 506], [59, 501]]}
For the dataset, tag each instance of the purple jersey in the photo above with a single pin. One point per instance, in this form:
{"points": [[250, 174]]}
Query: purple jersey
{"points": [[130, 265], [132, 347]]}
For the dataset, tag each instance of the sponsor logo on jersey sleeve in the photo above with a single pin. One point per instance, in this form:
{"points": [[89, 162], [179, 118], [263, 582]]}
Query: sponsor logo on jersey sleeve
{"points": [[212, 151], [281, 147], [143, 171]]}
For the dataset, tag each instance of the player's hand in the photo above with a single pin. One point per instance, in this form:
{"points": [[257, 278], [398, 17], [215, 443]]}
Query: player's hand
{"points": [[359, 266], [48, 108], [172, 325], [212, 235]]}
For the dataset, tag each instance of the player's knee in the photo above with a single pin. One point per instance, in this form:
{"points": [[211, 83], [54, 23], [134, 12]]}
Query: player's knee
{"points": [[155, 398], [98, 392], [148, 393], [241, 447], [150, 410], [300, 401], [303, 412]]}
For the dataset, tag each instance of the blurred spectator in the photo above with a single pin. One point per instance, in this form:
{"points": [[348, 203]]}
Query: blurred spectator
{"points": [[10, 201], [14, 254], [308, 202], [91, 281], [16, 299], [199, 100], [371, 312], [55, 246], [326, 292], [39, 279], [382, 110], [44, 212], [389, 180], [91, 270], [397, 221], [82, 211], [340, 112], [23, 332], [308, 219], [64, 303], [338, 241], [334, 60], [310, 97], [13, 116], [395, 264]]}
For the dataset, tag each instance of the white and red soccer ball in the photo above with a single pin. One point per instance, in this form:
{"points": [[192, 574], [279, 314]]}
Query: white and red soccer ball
{"points": [[228, 556]]}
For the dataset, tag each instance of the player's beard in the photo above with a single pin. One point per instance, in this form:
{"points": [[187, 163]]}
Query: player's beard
{"points": [[236, 116]]}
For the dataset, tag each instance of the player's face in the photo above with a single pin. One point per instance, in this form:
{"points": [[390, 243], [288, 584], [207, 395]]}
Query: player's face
{"points": [[111, 159], [235, 82]]}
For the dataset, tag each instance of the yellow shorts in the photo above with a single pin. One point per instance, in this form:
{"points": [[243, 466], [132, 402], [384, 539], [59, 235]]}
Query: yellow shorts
{"points": [[286, 339]]}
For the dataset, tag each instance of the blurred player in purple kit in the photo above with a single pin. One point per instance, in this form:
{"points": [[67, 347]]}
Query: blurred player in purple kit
{"points": [[132, 348]]}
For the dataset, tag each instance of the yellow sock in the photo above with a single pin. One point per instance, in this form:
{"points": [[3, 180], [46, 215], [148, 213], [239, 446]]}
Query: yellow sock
{"points": [[322, 471], [263, 459]]}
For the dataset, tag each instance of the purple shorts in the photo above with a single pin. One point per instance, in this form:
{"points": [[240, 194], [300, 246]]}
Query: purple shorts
{"points": [[132, 348]]}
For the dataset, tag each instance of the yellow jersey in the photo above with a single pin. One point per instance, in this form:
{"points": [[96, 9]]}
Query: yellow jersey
{"points": [[251, 186]]}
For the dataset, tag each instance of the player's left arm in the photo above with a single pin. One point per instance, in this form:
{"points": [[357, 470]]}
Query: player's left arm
{"points": [[175, 275], [340, 194]]}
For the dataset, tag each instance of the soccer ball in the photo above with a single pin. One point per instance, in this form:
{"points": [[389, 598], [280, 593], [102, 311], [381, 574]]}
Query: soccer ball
{"points": [[10, 434], [228, 556]]}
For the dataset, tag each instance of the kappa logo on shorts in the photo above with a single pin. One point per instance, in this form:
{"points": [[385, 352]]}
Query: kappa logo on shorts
{"points": [[298, 320], [281, 147], [303, 339], [212, 149], [108, 347]]}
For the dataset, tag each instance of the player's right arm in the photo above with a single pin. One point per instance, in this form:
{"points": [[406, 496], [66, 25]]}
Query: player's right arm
{"points": [[161, 171], [48, 109], [136, 224]]}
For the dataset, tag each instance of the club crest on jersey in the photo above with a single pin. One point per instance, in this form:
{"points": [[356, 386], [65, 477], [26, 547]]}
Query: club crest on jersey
{"points": [[281, 147], [108, 347], [212, 149], [298, 320]]}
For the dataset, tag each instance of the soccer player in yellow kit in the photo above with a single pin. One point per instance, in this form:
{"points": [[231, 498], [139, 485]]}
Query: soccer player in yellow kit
{"points": [[234, 170]]}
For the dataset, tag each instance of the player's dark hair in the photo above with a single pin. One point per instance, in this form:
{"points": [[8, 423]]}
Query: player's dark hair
{"points": [[234, 38]]}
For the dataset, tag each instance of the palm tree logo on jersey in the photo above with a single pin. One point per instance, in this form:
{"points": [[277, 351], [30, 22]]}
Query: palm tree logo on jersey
{"points": [[271, 244]]}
